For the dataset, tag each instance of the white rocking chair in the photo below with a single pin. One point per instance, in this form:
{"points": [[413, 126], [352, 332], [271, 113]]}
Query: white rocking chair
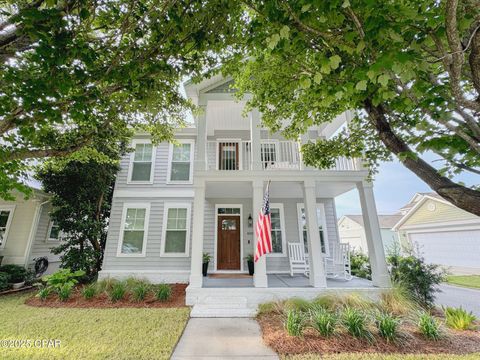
{"points": [[297, 259], [339, 264]]}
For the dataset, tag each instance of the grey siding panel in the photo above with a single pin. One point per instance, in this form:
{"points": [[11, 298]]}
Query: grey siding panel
{"points": [[40, 246], [152, 260]]}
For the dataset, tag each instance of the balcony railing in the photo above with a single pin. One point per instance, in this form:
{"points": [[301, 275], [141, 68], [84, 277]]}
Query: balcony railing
{"points": [[274, 155]]}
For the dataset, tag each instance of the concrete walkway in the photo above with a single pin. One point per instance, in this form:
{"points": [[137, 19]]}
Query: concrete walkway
{"points": [[222, 338], [457, 296]]}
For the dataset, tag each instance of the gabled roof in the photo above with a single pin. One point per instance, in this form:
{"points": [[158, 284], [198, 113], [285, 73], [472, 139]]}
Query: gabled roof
{"points": [[385, 221], [415, 203]]}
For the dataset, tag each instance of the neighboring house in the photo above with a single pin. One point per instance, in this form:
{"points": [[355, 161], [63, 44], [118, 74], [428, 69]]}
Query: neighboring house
{"points": [[352, 231], [26, 231], [174, 202], [442, 233]]}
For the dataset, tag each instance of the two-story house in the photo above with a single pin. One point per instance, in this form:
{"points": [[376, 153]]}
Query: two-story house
{"points": [[175, 201]]}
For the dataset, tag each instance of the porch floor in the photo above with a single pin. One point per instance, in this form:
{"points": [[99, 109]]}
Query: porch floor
{"points": [[284, 281]]}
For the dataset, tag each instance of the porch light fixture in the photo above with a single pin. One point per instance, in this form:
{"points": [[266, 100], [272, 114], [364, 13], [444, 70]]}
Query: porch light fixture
{"points": [[250, 220]]}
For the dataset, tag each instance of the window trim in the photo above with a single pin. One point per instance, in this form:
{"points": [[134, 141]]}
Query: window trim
{"points": [[11, 209], [48, 238], [134, 143], [175, 205], [323, 217], [133, 205], [282, 229], [170, 158]]}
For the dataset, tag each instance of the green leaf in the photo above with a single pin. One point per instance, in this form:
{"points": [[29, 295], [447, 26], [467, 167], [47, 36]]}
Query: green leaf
{"points": [[306, 7], [383, 79], [273, 41], [84, 13], [284, 32], [305, 82], [335, 61], [361, 85], [318, 78], [360, 46], [346, 3], [372, 75]]}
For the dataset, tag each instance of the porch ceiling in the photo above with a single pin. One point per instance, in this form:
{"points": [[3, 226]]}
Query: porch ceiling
{"points": [[278, 189]]}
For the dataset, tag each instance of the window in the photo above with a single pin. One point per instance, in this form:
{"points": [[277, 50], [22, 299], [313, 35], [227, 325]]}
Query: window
{"points": [[176, 229], [228, 156], [321, 228], [278, 231], [133, 231], [180, 163], [53, 232], [141, 164], [268, 154], [6, 214], [228, 211]]}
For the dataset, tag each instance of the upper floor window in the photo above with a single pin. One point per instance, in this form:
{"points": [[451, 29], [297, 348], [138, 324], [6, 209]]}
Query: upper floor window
{"points": [[6, 214], [54, 233], [142, 161], [133, 232], [180, 162], [322, 227]]}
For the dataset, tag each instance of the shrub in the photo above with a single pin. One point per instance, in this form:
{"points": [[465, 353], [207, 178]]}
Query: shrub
{"points": [[387, 326], [295, 322], [458, 318], [323, 321], [64, 291], [16, 273], [397, 301], [62, 277], [89, 291], [4, 281], [355, 322], [269, 307], [163, 292], [117, 291], [105, 285], [428, 326], [297, 304], [360, 265], [140, 291], [43, 293], [418, 278]]}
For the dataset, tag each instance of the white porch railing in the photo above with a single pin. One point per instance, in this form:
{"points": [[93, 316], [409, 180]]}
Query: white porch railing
{"points": [[274, 155]]}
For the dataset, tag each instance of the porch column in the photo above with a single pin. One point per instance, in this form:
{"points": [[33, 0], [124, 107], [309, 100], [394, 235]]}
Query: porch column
{"points": [[376, 254], [196, 278], [201, 122], [260, 275], [317, 268], [255, 136]]}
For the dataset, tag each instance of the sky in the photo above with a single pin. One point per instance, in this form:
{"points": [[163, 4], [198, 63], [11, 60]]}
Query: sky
{"points": [[393, 186]]}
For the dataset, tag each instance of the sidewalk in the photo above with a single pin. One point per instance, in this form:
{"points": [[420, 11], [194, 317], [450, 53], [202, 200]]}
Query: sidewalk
{"points": [[222, 338]]}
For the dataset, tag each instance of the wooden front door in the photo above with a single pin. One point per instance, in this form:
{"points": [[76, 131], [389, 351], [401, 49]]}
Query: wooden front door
{"points": [[228, 242]]}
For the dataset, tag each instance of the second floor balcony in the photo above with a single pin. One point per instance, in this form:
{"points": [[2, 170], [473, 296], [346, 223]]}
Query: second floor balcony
{"points": [[231, 155]]}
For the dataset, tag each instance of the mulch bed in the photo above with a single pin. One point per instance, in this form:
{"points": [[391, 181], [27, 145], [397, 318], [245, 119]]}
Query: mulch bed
{"points": [[274, 335], [102, 301]]}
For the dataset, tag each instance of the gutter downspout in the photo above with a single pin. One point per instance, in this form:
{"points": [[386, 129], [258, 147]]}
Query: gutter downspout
{"points": [[33, 231]]}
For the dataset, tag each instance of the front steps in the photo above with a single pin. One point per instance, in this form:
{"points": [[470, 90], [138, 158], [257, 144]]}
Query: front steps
{"points": [[222, 306], [244, 301]]}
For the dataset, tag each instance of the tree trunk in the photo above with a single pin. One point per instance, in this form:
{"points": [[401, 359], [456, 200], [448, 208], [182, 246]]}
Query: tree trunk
{"points": [[460, 196]]}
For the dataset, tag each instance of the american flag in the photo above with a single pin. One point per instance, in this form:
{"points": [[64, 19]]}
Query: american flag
{"points": [[263, 228]]}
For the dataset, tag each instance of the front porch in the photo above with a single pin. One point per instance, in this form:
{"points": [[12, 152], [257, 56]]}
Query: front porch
{"points": [[283, 281]]}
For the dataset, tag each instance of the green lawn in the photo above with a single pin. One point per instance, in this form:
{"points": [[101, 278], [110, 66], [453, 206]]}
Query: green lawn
{"points": [[471, 281], [90, 333], [381, 357]]}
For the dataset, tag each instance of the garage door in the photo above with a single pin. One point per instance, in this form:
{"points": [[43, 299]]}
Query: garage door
{"points": [[450, 248]]}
